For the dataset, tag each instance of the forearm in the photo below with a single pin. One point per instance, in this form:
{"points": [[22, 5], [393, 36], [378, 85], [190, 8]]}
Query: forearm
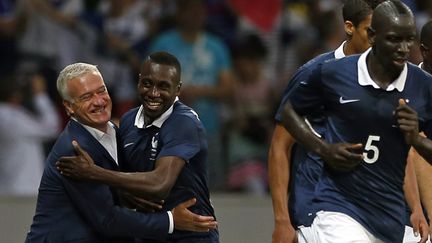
{"points": [[410, 186], [423, 171], [423, 146], [279, 175], [144, 184], [301, 132]]}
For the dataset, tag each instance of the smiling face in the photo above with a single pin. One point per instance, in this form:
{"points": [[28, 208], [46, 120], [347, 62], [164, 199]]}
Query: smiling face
{"points": [[158, 86], [90, 102]]}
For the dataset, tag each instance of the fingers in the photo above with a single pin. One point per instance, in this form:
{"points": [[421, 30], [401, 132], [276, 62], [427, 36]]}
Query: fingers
{"points": [[81, 152], [188, 203], [77, 148], [402, 102], [204, 223]]}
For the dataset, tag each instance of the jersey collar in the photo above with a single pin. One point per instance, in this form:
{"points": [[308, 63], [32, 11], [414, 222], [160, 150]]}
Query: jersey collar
{"points": [[139, 118], [364, 78], [339, 53]]}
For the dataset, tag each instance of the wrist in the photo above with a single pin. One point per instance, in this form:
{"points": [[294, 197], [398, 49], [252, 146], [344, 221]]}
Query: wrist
{"points": [[416, 141], [282, 221]]}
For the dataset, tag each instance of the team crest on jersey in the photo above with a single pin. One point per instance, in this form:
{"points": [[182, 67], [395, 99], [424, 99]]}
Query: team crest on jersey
{"points": [[154, 145]]}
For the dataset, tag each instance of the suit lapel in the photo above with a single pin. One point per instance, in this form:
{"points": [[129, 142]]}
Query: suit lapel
{"points": [[91, 145]]}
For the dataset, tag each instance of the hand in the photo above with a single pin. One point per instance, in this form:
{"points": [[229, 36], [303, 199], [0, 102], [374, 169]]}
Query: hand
{"points": [[80, 167], [186, 220], [284, 234], [343, 157], [407, 120], [139, 203], [420, 225]]}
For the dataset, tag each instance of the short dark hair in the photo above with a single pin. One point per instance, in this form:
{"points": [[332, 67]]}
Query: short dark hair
{"points": [[373, 3], [426, 34], [165, 58], [356, 11]]}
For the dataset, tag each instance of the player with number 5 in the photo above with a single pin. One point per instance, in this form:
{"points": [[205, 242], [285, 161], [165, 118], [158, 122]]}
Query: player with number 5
{"points": [[359, 197]]}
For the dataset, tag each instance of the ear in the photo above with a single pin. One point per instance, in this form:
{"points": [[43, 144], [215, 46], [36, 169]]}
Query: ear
{"points": [[349, 28], [371, 35], [178, 87], [423, 50], [68, 107]]}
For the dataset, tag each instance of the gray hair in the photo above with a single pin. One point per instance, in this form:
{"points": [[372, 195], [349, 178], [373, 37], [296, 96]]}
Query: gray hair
{"points": [[72, 71]]}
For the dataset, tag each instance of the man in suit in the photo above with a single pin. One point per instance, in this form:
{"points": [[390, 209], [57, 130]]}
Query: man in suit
{"points": [[69, 210]]}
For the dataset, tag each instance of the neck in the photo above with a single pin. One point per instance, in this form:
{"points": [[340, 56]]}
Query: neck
{"points": [[381, 75], [349, 49]]}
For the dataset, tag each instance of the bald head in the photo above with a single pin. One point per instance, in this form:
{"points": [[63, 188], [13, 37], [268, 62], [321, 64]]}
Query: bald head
{"points": [[392, 11]]}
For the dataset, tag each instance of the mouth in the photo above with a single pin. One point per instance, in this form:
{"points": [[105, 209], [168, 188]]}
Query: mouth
{"points": [[153, 105], [400, 61], [98, 111]]}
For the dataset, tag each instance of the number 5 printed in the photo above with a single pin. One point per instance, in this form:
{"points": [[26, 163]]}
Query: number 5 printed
{"points": [[373, 148]]}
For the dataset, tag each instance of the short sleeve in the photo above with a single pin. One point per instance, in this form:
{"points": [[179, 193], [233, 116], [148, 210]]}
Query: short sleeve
{"points": [[180, 138], [307, 96]]}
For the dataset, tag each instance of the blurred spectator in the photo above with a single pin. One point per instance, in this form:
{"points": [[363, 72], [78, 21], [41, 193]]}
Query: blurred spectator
{"points": [[251, 121], [206, 75], [9, 25], [22, 135]]}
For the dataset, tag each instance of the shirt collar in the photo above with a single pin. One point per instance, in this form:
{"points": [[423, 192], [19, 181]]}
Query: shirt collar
{"points": [[96, 133], [339, 53], [364, 78], [420, 65], [140, 121], [99, 134]]}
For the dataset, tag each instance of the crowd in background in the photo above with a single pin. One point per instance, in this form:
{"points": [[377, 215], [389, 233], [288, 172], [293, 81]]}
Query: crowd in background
{"points": [[237, 56]]}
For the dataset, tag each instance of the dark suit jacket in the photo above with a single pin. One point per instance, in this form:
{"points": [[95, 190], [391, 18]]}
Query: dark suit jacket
{"points": [[77, 211]]}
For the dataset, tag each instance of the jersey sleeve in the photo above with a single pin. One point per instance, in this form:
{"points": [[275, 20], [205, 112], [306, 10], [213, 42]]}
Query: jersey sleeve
{"points": [[307, 96], [180, 138], [301, 75]]}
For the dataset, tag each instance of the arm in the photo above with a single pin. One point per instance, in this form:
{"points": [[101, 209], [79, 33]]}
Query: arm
{"points": [[423, 171], [154, 184], [417, 217], [279, 175], [407, 120], [95, 203], [340, 156]]}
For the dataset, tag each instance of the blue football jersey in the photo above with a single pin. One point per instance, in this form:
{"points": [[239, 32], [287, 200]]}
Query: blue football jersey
{"points": [[182, 135], [304, 176], [358, 111]]}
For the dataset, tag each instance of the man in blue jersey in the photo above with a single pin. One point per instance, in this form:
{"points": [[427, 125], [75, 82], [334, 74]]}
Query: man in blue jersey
{"points": [[357, 16], [165, 140], [359, 196], [423, 168]]}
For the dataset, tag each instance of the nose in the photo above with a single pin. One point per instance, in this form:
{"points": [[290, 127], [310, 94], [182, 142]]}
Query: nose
{"points": [[405, 46], [98, 99], [155, 92]]}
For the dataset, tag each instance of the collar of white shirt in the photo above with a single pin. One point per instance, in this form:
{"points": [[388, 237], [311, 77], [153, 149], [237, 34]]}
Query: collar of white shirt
{"points": [[140, 122], [339, 53], [107, 140], [364, 78]]}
